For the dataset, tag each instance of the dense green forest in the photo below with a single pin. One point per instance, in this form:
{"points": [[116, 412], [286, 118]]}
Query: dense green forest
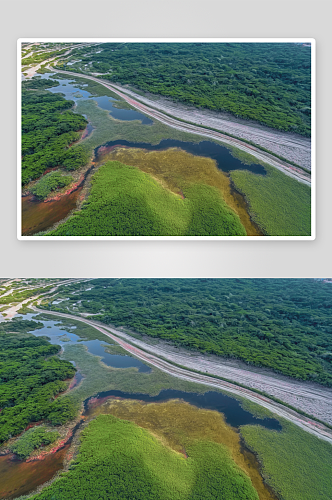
{"points": [[50, 182], [125, 201], [38, 83], [31, 375], [282, 324], [119, 460], [49, 127], [32, 439], [267, 82]]}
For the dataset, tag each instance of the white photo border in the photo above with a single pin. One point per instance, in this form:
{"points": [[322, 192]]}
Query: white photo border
{"points": [[312, 42]]}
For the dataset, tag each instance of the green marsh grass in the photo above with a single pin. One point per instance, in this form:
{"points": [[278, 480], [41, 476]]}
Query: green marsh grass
{"points": [[99, 377], [125, 201], [296, 464], [118, 459], [178, 170], [109, 129]]}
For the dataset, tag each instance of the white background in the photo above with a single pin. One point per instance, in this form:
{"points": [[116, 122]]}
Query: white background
{"points": [[160, 18]]}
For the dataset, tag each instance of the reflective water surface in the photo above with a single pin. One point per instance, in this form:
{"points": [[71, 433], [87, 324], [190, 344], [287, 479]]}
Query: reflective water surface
{"points": [[71, 91], [20, 478], [225, 161]]}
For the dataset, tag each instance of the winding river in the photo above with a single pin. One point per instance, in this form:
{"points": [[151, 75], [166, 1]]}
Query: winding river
{"points": [[38, 216], [20, 478]]}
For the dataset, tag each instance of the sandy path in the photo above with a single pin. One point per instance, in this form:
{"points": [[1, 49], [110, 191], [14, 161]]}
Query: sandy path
{"points": [[295, 172], [305, 423], [311, 398], [12, 310], [293, 147], [29, 73]]}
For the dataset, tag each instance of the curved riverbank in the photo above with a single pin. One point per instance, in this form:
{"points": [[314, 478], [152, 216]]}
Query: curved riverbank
{"points": [[305, 423], [295, 172]]}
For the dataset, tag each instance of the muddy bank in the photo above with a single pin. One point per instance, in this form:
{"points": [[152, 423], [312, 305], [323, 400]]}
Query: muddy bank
{"points": [[19, 478], [43, 467], [38, 216]]}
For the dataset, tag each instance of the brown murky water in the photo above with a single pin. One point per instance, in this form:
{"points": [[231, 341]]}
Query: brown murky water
{"points": [[175, 422], [38, 216], [19, 478]]}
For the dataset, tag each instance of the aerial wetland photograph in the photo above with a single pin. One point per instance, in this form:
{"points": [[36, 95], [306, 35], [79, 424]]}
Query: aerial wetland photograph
{"points": [[165, 139], [165, 389]]}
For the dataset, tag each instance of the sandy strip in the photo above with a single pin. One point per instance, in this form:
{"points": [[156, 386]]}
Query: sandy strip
{"points": [[294, 172], [315, 428]]}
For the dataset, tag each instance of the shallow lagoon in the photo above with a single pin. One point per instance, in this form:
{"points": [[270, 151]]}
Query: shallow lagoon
{"points": [[74, 91], [234, 414], [18, 478], [39, 216], [59, 335]]}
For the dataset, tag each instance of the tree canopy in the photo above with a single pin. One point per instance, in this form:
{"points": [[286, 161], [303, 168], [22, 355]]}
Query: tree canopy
{"points": [[31, 375], [281, 324], [49, 127], [267, 82]]}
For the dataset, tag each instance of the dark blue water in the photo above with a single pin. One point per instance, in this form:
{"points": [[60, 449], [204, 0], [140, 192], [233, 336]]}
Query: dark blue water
{"points": [[225, 161], [70, 90], [97, 347], [235, 415]]}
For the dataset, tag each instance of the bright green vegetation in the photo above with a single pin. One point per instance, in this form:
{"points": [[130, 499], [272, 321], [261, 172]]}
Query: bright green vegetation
{"points": [[280, 205], [42, 56], [32, 439], [125, 201], [295, 463], [266, 82], [19, 295], [48, 129], [31, 375], [118, 459], [282, 324], [50, 182]]}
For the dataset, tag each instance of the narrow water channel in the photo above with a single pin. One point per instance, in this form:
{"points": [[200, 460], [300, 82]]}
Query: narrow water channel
{"points": [[20, 478], [38, 216], [58, 335], [234, 414], [225, 161], [74, 91]]}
